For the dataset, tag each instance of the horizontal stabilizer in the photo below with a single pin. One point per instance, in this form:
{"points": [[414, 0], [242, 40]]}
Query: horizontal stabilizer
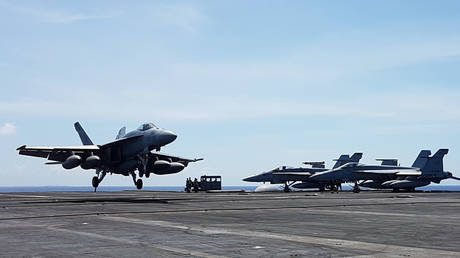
{"points": [[453, 177], [163, 156]]}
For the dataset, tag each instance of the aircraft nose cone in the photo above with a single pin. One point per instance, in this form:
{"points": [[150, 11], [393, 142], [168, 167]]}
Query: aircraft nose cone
{"points": [[168, 136], [250, 179]]}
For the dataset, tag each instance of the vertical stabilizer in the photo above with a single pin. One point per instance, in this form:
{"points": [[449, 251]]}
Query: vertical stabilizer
{"points": [[342, 160], [121, 133], [83, 136], [421, 159], [356, 157], [435, 163]]}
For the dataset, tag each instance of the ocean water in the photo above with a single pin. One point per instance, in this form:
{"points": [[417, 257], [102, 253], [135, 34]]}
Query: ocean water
{"points": [[16, 189]]}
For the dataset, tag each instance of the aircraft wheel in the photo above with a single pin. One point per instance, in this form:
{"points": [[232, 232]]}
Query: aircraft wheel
{"points": [[356, 189], [139, 184], [286, 189], [95, 182]]}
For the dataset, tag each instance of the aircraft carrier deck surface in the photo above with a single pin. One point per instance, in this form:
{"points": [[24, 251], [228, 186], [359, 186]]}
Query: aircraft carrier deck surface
{"points": [[169, 224]]}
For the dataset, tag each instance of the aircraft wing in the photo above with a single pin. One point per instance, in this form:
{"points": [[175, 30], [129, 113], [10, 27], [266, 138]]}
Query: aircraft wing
{"points": [[56, 153], [398, 172], [120, 141], [163, 156]]}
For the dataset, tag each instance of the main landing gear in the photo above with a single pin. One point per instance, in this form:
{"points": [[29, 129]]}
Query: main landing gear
{"points": [[356, 188], [138, 183], [286, 188], [97, 179]]}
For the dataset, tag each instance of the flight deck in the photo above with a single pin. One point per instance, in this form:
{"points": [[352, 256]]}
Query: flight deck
{"points": [[227, 224]]}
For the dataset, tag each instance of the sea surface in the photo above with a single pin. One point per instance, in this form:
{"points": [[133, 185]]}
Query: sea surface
{"points": [[16, 189]]}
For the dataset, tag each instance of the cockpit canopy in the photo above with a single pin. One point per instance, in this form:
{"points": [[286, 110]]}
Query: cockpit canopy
{"points": [[281, 168], [350, 164], [146, 126]]}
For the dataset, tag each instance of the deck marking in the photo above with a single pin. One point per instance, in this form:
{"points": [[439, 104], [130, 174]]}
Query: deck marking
{"points": [[320, 211], [331, 242], [26, 195], [132, 242]]}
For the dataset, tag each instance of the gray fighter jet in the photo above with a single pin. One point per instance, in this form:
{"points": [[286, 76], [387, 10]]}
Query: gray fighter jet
{"points": [[432, 170], [299, 177], [425, 170], [129, 152]]}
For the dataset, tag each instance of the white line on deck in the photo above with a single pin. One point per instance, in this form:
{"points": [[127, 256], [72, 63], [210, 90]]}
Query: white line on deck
{"points": [[331, 242], [132, 242], [320, 211]]}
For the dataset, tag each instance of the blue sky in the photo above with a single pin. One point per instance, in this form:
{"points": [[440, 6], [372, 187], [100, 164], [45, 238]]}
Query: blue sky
{"points": [[247, 85]]}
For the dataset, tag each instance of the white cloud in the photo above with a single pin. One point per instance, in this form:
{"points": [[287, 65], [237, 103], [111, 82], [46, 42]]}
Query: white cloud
{"points": [[8, 129]]}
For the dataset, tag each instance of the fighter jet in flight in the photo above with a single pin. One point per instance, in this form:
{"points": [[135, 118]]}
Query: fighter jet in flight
{"points": [[299, 177], [425, 169], [129, 152]]}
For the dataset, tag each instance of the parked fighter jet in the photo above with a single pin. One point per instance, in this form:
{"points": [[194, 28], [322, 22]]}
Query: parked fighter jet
{"points": [[432, 170], [425, 170], [129, 152], [342, 160], [299, 177]]}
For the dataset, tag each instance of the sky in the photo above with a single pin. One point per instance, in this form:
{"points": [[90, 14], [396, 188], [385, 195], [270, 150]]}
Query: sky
{"points": [[246, 85]]}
